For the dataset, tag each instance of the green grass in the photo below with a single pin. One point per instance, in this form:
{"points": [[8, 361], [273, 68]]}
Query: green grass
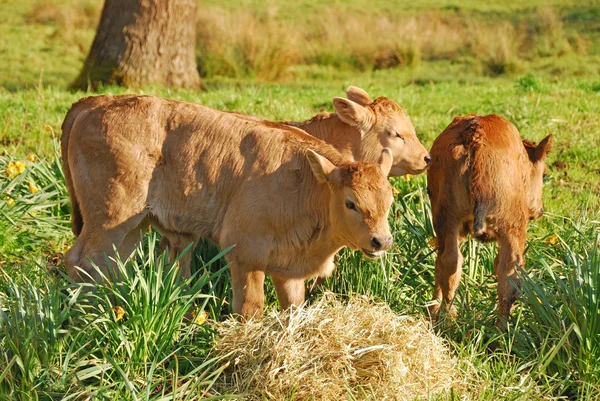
{"points": [[56, 341]]}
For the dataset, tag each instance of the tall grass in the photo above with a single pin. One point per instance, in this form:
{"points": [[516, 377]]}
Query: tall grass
{"points": [[130, 341], [563, 307], [243, 43]]}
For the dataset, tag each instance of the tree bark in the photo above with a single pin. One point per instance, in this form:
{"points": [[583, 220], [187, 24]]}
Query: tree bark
{"points": [[141, 42]]}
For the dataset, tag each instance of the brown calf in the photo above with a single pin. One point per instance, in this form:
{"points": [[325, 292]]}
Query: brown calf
{"points": [[287, 201], [483, 180]]}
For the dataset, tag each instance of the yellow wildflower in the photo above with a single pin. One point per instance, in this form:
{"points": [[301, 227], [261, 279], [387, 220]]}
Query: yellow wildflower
{"points": [[14, 169], [432, 242], [407, 177], [32, 187], [32, 157], [395, 191], [552, 240], [119, 313], [10, 202], [20, 166], [200, 318], [47, 127]]}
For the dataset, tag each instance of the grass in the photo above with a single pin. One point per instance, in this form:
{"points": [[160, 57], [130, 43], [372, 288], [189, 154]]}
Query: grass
{"points": [[58, 342]]}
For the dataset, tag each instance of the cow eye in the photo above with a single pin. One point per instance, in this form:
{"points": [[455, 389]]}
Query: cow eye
{"points": [[350, 205]]}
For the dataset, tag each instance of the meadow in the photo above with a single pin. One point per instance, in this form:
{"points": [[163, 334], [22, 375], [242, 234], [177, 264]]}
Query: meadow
{"points": [[535, 63]]}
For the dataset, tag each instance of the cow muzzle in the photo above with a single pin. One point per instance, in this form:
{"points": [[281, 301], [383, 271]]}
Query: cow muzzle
{"points": [[379, 244]]}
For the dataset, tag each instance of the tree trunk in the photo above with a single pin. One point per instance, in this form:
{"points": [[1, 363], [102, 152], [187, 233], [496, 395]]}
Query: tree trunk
{"points": [[141, 42]]}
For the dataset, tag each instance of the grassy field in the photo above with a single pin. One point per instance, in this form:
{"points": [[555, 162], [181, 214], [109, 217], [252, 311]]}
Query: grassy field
{"points": [[537, 65]]}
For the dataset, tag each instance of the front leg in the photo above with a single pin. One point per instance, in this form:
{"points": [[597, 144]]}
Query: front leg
{"points": [[290, 291], [248, 290]]}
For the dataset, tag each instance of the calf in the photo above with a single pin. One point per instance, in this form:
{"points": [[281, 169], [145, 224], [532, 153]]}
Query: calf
{"points": [[483, 180], [287, 201], [362, 127]]}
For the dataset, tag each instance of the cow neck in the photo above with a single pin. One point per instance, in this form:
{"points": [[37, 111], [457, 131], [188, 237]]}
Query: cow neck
{"points": [[329, 128]]}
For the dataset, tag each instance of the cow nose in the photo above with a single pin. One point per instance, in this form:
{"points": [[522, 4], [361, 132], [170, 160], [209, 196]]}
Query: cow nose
{"points": [[382, 242], [428, 159]]}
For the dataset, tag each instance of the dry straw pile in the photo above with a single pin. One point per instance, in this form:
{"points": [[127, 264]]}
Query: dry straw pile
{"points": [[333, 351]]}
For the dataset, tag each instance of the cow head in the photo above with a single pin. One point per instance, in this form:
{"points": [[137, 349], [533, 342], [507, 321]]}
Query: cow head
{"points": [[537, 164], [360, 198], [383, 124]]}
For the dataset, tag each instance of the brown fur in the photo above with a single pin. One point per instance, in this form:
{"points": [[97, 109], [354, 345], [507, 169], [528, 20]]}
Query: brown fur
{"points": [[483, 180], [276, 193]]}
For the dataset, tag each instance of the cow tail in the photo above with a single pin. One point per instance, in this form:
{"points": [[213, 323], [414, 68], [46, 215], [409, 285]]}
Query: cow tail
{"points": [[67, 125], [478, 182]]}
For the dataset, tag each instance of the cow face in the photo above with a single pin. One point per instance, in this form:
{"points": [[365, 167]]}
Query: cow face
{"points": [[383, 124], [537, 158], [359, 202]]}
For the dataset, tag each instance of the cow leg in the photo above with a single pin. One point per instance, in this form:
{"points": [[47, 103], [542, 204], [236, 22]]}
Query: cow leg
{"points": [[290, 291], [73, 257], [448, 270], [248, 290], [177, 243], [92, 244], [510, 254]]}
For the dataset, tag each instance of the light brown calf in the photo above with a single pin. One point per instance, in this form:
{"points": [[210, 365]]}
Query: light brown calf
{"points": [[286, 200], [483, 180], [362, 127]]}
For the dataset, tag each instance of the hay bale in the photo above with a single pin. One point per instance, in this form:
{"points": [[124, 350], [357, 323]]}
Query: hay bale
{"points": [[332, 349]]}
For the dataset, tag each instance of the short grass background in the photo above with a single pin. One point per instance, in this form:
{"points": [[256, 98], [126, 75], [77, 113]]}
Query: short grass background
{"points": [[534, 62]]}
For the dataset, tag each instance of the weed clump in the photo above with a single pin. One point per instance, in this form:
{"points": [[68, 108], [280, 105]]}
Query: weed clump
{"points": [[332, 349]]}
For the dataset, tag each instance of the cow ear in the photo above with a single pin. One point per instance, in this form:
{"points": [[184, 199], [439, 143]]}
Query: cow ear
{"points": [[358, 95], [385, 161], [541, 151], [353, 114], [320, 166]]}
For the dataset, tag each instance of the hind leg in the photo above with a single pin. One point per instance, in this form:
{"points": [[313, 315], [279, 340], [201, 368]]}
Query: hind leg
{"points": [[448, 268], [510, 255], [92, 245], [73, 257]]}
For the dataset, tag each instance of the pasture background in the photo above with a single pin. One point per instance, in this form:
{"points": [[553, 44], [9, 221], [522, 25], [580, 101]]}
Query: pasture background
{"points": [[534, 62]]}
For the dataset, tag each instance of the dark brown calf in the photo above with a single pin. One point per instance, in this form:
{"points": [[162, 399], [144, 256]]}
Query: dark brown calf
{"points": [[483, 180]]}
